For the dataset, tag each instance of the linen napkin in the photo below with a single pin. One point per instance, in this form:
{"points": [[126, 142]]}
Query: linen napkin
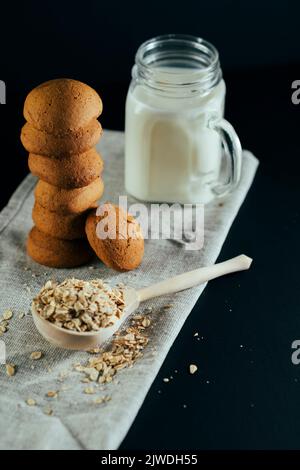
{"points": [[77, 423]]}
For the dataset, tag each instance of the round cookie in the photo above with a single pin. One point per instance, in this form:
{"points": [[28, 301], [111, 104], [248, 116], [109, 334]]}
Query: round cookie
{"points": [[57, 253], [62, 104], [68, 200], [126, 250], [69, 172], [65, 226], [61, 145]]}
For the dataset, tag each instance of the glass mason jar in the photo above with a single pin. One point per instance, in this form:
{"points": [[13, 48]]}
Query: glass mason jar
{"points": [[175, 132]]}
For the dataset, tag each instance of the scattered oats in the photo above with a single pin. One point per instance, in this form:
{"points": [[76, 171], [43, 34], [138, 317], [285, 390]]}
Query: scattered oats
{"points": [[196, 334], [33, 275], [22, 315], [94, 351], [26, 268], [48, 411], [99, 400], [91, 267], [79, 305], [125, 350], [30, 402], [32, 367], [167, 306], [28, 289], [3, 329], [89, 390], [193, 368], [36, 355], [166, 379], [10, 370], [86, 380], [49, 370], [146, 322], [104, 399], [52, 394], [7, 315]]}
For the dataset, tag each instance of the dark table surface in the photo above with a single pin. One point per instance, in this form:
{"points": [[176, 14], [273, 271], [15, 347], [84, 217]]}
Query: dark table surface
{"points": [[246, 392]]}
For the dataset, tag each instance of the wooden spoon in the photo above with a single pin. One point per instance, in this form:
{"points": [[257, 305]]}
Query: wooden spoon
{"points": [[70, 339]]}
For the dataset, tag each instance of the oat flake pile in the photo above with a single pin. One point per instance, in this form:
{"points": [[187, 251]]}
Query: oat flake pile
{"points": [[79, 305]]}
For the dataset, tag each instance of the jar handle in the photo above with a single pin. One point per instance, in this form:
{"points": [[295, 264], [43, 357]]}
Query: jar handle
{"points": [[233, 154]]}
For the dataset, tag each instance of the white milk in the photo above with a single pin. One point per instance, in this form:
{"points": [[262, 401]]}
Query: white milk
{"points": [[170, 153]]}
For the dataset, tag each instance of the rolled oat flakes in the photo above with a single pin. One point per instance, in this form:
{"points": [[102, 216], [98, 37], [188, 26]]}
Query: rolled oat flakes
{"points": [[79, 305]]}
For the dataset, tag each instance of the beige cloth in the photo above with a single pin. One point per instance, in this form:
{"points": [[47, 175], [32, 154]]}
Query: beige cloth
{"points": [[77, 423]]}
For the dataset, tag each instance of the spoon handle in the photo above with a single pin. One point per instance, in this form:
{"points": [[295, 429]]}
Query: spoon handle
{"points": [[194, 278]]}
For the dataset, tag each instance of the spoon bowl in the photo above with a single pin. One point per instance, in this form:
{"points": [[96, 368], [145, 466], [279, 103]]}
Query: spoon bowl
{"points": [[83, 341]]}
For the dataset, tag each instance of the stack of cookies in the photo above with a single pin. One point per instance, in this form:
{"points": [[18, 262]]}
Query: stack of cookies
{"points": [[60, 135]]}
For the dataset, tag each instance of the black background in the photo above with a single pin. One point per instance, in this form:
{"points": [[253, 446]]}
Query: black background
{"points": [[252, 398]]}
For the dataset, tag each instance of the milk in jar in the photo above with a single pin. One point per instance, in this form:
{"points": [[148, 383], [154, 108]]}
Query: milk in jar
{"points": [[174, 124]]}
